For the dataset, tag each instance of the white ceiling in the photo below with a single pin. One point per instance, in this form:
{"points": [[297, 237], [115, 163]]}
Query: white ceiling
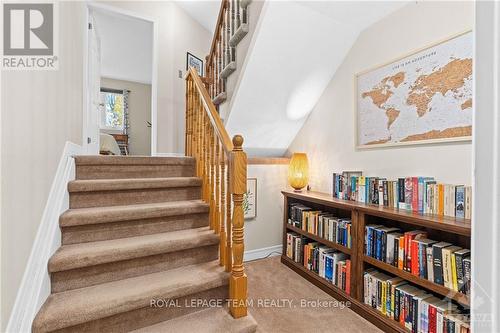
{"points": [[294, 55], [205, 12], [126, 46]]}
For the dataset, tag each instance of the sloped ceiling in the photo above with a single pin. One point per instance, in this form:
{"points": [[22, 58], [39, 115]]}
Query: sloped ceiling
{"points": [[294, 54]]}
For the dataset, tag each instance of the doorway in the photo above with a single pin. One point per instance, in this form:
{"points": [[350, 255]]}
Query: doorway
{"points": [[120, 82]]}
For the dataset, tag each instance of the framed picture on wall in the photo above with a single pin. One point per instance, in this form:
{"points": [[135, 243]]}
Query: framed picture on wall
{"points": [[423, 97], [193, 61], [250, 199]]}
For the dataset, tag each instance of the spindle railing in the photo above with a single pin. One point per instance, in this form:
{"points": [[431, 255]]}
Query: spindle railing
{"points": [[232, 26], [221, 163]]}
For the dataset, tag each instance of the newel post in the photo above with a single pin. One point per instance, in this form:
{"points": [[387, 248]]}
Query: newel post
{"points": [[238, 279]]}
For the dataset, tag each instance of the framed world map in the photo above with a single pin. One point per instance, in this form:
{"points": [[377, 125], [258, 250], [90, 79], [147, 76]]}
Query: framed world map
{"points": [[421, 98]]}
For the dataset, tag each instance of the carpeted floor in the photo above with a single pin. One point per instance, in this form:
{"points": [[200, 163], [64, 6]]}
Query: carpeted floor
{"points": [[278, 295]]}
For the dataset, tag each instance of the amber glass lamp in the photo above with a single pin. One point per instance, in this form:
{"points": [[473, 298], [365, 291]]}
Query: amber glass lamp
{"points": [[298, 171]]}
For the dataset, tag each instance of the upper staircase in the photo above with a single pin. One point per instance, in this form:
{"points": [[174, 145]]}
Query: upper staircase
{"points": [[146, 239]]}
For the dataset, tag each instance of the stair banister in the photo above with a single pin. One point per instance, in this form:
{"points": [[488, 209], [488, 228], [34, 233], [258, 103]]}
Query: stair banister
{"points": [[221, 163]]}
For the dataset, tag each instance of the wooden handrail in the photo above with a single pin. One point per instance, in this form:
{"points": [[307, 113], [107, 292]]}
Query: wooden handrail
{"points": [[207, 141]]}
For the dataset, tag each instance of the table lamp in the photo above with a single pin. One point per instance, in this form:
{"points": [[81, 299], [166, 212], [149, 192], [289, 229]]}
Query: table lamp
{"points": [[298, 171]]}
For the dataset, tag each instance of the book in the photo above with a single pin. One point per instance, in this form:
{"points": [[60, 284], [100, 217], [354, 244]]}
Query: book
{"points": [[430, 264], [468, 202], [460, 201], [460, 255], [437, 256], [409, 236], [440, 210], [408, 193], [467, 275], [447, 265]]}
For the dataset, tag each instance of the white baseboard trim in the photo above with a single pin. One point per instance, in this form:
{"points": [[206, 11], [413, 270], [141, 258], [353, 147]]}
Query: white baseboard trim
{"points": [[169, 155], [262, 253], [35, 284]]}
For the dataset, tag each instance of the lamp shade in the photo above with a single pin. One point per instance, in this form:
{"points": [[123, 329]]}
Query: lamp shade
{"points": [[298, 171]]}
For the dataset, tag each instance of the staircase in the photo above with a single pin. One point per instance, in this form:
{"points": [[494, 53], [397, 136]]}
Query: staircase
{"points": [[136, 236], [146, 239], [226, 54]]}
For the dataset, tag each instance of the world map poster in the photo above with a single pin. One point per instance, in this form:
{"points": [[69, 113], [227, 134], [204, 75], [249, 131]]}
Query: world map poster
{"points": [[424, 97]]}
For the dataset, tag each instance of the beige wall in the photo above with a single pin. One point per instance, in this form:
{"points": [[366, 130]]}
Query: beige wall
{"points": [[139, 105], [40, 111], [266, 229], [178, 33], [328, 134]]}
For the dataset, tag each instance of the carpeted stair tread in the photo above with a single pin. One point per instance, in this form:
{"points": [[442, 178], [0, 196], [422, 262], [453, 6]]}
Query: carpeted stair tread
{"points": [[213, 320], [78, 306], [98, 215], [95, 185], [132, 160], [95, 253]]}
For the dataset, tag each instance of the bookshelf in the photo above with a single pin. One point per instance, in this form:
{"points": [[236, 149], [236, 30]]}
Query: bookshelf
{"points": [[450, 229]]}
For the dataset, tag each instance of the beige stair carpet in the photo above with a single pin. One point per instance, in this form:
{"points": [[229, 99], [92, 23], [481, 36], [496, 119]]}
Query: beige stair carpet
{"points": [[136, 232]]}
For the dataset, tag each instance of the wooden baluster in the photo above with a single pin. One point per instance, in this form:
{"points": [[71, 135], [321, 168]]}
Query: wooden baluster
{"points": [[217, 72], [212, 178], [238, 279], [216, 92], [186, 135], [222, 219], [192, 126], [244, 16], [217, 185], [237, 15], [191, 123], [229, 251], [231, 18], [199, 149], [199, 113], [205, 157], [224, 41]]}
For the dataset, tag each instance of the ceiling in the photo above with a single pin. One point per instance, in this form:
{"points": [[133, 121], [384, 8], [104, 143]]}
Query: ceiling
{"points": [[294, 54], [205, 12], [126, 46]]}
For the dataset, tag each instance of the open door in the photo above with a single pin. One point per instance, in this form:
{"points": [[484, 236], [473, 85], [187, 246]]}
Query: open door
{"points": [[91, 138]]}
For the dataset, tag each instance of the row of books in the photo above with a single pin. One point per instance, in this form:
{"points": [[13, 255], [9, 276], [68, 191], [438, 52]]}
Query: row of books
{"points": [[333, 266], [418, 194], [413, 308], [439, 262], [322, 224]]}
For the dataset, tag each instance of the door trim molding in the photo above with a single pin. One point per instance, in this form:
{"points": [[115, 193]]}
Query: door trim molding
{"points": [[154, 78]]}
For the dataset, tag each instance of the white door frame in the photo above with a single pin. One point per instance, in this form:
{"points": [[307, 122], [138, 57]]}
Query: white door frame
{"points": [[154, 78], [485, 300]]}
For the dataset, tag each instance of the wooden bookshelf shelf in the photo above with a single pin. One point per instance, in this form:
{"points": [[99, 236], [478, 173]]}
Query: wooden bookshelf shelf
{"points": [[321, 240], [384, 323], [454, 225], [454, 230], [434, 287]]}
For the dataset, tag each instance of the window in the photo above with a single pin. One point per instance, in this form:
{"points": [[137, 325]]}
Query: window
{"points": [[112, 112]]}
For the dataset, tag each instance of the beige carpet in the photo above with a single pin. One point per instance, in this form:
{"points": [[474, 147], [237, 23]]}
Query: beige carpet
{"points": [[272, 282]]}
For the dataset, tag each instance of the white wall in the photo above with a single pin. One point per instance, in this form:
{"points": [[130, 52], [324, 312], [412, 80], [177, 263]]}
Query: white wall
{"points": [[139, 106], [295, 51], [266, 230], [328, 135], [178, 33], [40, 111], [126, 46]]}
